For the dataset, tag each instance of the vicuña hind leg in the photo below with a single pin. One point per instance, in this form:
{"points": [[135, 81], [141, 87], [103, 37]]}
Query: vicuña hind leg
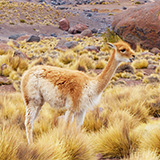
{"points": [[32, 111]]}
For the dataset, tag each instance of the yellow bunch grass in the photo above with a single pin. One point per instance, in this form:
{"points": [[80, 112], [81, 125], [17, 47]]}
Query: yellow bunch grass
{"points": [[65, 144], [115, 141], [131, 99], [151, 140], [144, 155], [96, 119], [139, 64], [10, 142]]}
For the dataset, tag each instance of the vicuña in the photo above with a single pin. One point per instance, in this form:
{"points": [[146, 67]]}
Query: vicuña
{"points": [[74, 90]]}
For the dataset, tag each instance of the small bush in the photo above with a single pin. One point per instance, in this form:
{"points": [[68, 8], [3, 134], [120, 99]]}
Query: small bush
{"points": [[22, 21], [100, 64], [139, 64], [115, 141]]}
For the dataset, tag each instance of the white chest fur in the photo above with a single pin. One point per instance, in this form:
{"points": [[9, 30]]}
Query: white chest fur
{"points": [[90, 98]]}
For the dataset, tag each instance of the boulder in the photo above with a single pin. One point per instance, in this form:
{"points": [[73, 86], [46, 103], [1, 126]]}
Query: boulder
{"points": [[87, 32], [33, 38], [64, 24], [22, 38], [78, 28], [63, 44], [92, 48], [140, 25], [15, 36], [155, 50]]}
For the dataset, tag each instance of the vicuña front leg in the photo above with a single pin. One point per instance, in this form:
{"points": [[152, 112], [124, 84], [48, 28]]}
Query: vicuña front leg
{"points": [[79, 117], [69, 117], [32, 112]]}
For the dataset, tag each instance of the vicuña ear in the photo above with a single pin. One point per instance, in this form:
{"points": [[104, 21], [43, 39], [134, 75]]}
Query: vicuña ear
{"points": [[111, 45]]}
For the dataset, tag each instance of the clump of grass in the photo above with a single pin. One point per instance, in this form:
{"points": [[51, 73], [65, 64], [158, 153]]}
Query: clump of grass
{"points": [[67, 57], [119, 116], [22, 21], [137, 2], [110, 36], [100, 64], [126, 75], [151, 140], [115, 141], [139, 64], [145, 155], [84, 63], [158, 69], [65, 144], [10, 140], [96, 119], [140, 74], [121, 99], [153, 78]]}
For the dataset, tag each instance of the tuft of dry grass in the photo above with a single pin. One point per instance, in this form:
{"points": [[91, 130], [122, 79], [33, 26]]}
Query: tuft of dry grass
{"points": [[151, 140], [65, 144], [130, 99], [115, 141], [10, 142], [139, 64], [144, 155]]}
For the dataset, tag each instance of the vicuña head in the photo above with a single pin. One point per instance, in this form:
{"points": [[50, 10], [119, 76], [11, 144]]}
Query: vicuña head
{"points": [[74, 90]]}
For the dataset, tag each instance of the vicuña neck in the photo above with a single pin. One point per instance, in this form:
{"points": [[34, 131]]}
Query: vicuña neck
{"points": [[105, 76]]}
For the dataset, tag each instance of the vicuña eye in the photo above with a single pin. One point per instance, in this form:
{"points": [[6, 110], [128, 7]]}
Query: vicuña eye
{"points": [[123, 50]]}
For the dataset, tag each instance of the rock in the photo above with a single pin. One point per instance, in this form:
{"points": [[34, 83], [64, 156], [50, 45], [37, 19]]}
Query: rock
{"points": [[94, 30], [155, 50], [64, 24], [20, 54], [152, 66], [53, 35], [125, 67], [92, 48], [77, 28], [22, 38], [124, 8], [87, 33], [89, 14], [140, 25], [71, 44], [15, 36], [33, 38], [63, 44]]}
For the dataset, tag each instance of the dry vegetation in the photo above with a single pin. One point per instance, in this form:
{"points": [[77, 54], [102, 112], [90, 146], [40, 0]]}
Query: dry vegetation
{"points": [[29, 13], [122, 126], [125, 125]]}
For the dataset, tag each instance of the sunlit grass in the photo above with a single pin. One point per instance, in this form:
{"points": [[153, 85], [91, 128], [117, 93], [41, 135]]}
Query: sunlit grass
{"points": [[120, 127]]}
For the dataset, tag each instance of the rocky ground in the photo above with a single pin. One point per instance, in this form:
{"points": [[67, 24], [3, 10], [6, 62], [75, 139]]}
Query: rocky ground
{"points": [[96, 15]]}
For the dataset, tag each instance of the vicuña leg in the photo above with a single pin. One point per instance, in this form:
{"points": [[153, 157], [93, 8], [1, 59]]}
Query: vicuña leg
{"points": [[69, 117], [79, 117], [32, 111]]}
